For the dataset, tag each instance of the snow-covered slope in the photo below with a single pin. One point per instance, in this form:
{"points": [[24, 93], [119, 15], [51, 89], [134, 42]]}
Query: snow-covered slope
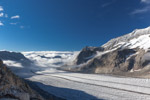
{"points": [[132, 40], [121, 54], [142, 42]]}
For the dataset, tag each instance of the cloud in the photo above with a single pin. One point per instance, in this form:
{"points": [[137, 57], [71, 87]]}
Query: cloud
{"points": [[22, 27], [1, 24], [145, 1], [140, 11], [13, 23], [6, 15], [12, 63], [4, 18], [1, 8], [49, 58], [1, 14], [107, 4], [15, 17]]}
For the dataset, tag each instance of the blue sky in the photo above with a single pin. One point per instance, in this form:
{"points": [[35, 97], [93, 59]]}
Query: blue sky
{"points": [[35, 25]]}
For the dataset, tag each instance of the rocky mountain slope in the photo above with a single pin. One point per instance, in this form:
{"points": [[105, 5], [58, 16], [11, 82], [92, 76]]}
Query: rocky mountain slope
{"points": [[13, 88], [126, 54], [14, 56]]}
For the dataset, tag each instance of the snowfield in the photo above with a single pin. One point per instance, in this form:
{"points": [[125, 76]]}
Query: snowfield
{"points": [[77, 86]]}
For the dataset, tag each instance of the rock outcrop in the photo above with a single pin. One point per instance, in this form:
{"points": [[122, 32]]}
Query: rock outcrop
{"points": [[87, 53], [14, 88]]}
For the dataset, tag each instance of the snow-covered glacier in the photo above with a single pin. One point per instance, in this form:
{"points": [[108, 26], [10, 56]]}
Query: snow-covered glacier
{"points": [[77, 86]]}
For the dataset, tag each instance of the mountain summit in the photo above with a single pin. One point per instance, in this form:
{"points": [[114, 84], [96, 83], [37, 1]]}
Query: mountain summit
{"points": [[139, 38]]}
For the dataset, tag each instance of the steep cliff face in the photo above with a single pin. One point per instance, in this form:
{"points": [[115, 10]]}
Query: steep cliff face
{"points": [[12, 87], [126, 54]]}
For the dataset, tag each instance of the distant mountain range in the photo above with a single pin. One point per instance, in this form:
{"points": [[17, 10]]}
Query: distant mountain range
{"points": [[126, 55]]}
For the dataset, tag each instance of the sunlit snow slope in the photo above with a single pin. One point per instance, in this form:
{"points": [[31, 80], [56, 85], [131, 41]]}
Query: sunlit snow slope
{"points": [[139, 38]]}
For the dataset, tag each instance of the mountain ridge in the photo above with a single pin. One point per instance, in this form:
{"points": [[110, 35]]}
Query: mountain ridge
{"points": [[125, 38], [128, 54]]}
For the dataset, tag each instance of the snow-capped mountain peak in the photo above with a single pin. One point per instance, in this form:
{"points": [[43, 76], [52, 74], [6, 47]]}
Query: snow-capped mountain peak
{"points": [[124, 54], [139, 38]]}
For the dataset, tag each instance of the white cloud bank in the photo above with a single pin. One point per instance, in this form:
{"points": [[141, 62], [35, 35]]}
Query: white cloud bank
{"points": [[15, 17], [51, 58], [12, 63]]}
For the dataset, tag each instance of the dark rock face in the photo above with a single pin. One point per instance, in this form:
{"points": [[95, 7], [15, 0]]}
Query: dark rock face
{"points": [[6, 55], [12, 87], [55, 57], [116, 61], [87, 53], [110, 62]]}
